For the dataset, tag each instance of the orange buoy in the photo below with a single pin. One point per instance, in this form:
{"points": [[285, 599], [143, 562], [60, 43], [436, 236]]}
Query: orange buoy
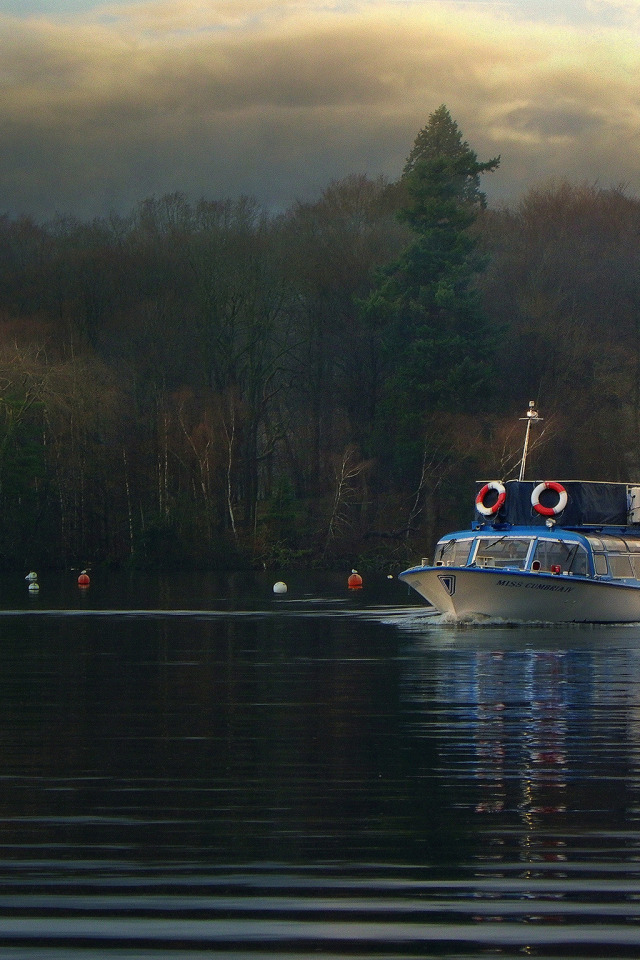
{"points": [[355, 581], [83, 579]]}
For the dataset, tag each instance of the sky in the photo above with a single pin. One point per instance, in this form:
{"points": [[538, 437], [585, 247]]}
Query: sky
{"points": [[107, 102]]}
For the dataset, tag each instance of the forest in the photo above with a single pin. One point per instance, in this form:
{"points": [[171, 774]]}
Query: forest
{"points": [[209, 384]]}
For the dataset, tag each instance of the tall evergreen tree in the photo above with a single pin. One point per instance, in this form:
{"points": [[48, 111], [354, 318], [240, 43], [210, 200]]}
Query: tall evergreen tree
{"points": [[440, 140], [435, 343]]}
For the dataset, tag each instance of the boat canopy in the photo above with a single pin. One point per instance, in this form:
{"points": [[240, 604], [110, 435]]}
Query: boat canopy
{"points": [[589, 503]]}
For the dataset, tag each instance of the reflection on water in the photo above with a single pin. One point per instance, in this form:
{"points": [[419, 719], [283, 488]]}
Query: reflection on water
{"points": [[326, 775]]}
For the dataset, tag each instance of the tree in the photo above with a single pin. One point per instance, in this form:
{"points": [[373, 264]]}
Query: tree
{"points": [[436, 343], [564, 284], [441, 141], [242, 331], [334, 244]]}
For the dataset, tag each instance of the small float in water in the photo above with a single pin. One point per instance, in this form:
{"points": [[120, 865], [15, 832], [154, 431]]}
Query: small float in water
{"points": [[32, 581]]}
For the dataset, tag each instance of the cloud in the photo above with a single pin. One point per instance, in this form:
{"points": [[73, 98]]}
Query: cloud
{"points": [[625, 6], [275, 100]]}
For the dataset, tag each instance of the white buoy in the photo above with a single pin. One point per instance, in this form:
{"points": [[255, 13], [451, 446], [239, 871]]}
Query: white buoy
{"points": [[33, 587], [31, 576], [280, 587]]}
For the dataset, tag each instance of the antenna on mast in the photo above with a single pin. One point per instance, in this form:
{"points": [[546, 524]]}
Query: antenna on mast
{"points": [[531, 417]]}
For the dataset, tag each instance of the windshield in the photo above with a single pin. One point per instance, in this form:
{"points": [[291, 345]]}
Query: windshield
{"points": [[515, 553], [452, 553], [502, 552], [568, 557]]}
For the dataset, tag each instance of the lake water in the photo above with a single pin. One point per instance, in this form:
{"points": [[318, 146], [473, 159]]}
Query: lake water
{"points": [[194, 767]]}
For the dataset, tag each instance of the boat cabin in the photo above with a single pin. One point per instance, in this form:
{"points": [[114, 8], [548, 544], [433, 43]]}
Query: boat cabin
{"points": [[568, 553]]}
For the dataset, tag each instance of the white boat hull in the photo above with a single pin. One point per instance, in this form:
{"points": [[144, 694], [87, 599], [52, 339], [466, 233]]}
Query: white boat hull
{"points": [[465, 592]]}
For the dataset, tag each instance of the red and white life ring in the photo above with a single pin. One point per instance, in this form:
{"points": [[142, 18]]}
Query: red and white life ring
{"points": [[502, 496], [549, 511]]}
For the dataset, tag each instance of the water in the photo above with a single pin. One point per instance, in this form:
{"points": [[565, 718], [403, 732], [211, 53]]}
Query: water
{"points": [[193, 767]]}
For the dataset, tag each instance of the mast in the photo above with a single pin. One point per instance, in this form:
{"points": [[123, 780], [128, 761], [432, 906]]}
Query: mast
{"points": [[531, 417]]}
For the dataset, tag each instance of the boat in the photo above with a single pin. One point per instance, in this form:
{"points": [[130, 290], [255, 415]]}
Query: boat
{"points": [[546, 551]]}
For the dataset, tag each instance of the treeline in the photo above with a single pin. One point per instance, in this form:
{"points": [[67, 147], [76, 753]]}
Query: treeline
{"points": [[208, 384]]}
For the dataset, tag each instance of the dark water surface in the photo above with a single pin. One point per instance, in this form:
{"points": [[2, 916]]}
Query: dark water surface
{"points": [[193, 767]]}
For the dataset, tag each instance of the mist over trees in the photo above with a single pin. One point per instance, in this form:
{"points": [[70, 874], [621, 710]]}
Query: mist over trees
{"points": [[207, 383]]}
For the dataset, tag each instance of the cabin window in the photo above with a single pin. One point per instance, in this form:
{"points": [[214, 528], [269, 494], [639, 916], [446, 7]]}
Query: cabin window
{"points": [[620, 565], [600, 563], [502, 552], [569, 557], [452, 553]]}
